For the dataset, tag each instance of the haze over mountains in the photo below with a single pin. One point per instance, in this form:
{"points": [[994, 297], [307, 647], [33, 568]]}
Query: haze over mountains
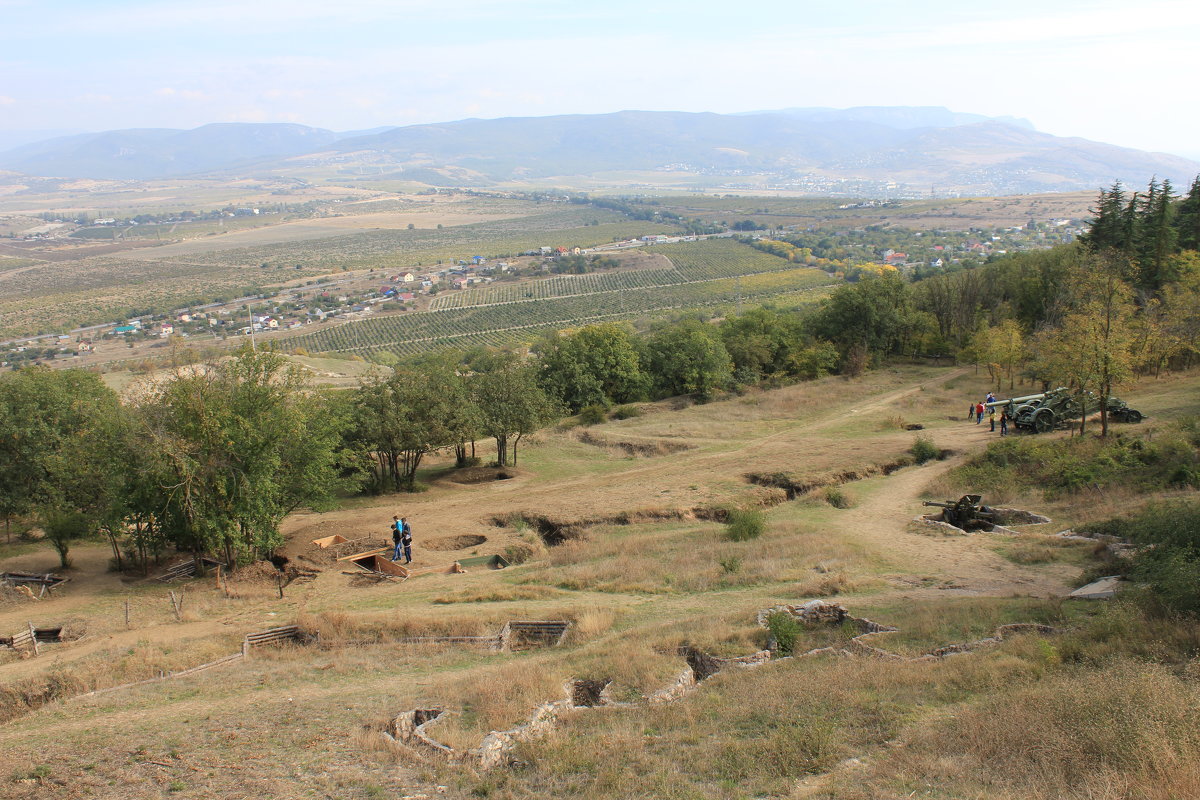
{"points": [[870, 150]]}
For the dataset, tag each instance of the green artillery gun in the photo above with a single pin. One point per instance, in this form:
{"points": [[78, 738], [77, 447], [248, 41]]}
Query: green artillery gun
{"points": [[1047, 410], [968, 512]]}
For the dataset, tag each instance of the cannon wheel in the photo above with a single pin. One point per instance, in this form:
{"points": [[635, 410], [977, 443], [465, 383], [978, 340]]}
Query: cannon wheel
{"points": [[1043, 422], [1133, 416]]}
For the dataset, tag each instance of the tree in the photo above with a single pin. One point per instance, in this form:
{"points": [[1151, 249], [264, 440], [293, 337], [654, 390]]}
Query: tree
{"points": [[1156, 235], [237, 447], [1005, 347], [1187, 218], [1092, 349], [56, 445], [403, 418], [688, 358], [511, 405], [597, 364], [868, 317]]}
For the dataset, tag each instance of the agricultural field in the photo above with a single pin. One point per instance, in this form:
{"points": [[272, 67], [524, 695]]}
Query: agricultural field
{"points": [[75, 287], [629, 549], [955, 214], [713, 272]]}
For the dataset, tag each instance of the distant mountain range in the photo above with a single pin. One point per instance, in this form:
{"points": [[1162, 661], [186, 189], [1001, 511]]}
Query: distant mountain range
{"points": [[869, 150]]}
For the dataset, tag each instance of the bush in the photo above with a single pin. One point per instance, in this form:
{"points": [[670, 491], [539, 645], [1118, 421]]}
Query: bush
{"points": [[785, 630], [1169, 560], [923, 449], [837, 498], [744, 524], [626, 411], [593, 414]]}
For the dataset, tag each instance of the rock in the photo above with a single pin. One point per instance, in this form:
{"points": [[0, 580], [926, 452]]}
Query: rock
{"points": [[1101, 589]]}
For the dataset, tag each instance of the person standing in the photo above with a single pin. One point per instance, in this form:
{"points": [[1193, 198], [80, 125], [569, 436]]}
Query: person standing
{"points": [[406, 539], [992, 417], [978, 413], [397, 537], [1004, 424]]}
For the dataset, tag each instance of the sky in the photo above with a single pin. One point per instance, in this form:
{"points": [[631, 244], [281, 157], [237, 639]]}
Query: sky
{"points": [[1117, 72]]}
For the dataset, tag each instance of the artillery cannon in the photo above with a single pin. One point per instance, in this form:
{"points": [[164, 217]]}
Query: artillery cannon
{"points": [[1045, 411], [968, 512]]}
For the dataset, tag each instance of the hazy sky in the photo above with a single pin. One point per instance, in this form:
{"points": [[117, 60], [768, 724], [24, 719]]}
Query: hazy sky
{"points": [[1121, 72]]}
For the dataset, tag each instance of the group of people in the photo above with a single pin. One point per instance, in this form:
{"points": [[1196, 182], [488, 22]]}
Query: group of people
{"points": [[977, 410], [401, 539]]}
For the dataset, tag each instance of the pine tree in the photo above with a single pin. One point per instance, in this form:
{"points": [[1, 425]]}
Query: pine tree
{"points": [[1108, 225], [1156, 236], [1187, 218]]}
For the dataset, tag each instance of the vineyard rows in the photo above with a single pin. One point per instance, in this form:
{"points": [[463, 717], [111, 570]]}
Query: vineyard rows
{"points": [[463, 327], [694, 261]]}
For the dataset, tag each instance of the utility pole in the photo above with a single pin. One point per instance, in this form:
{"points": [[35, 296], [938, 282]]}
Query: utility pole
{"points": [[250, 313]]}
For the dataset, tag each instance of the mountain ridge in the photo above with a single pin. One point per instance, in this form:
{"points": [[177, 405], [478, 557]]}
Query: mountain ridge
{"points": [[792, 148]]}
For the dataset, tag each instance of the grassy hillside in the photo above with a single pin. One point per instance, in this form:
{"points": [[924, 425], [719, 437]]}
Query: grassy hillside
{"points": [[617, 528]]}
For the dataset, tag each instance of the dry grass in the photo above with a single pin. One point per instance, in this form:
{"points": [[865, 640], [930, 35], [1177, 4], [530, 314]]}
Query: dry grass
{"points": [[499, 594], [685, 557], [1130, 730]]}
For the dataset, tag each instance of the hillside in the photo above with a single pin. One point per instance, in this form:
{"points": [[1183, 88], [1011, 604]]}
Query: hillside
{"points": [[872, 151], [623, 542], [157, 152]]}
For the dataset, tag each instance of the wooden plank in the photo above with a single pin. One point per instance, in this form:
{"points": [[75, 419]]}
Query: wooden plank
{"points": [[376, 552]]}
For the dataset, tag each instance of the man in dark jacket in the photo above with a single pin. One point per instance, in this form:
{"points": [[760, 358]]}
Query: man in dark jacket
{"points": [[397, 536], [406, 540]]}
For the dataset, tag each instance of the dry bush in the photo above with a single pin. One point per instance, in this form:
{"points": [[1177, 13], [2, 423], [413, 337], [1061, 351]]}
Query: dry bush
{"points": [[593, 622], [828, 584]]}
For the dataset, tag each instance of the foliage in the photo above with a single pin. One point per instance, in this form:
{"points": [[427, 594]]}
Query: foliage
{"points": [[785, 629], [595, 365], [512, 405], [593, 414], [1168, 558], [688, 358], [923, 449], [744, 524], [62, 528], [626, 412], [1066, 466], [58, 434], [238, 447], [875, 316]]}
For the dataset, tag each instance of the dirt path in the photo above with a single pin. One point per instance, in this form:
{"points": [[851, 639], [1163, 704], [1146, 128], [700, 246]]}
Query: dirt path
{"points": [[969, 563]]}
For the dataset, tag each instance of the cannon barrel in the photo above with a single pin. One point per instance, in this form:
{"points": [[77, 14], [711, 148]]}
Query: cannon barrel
{"points": [[939, 505], [1013, 400]]}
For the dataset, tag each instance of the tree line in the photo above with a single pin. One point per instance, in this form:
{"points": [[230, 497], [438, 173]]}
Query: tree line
{"points": [[211, 460]]}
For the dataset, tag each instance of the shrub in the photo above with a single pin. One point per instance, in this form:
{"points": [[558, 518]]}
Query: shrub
{"points": [[626, 412], [730, 564], [744, 524], [785, 629], [923, 449], [837, 498], [1169, 560], [592, 415]]}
